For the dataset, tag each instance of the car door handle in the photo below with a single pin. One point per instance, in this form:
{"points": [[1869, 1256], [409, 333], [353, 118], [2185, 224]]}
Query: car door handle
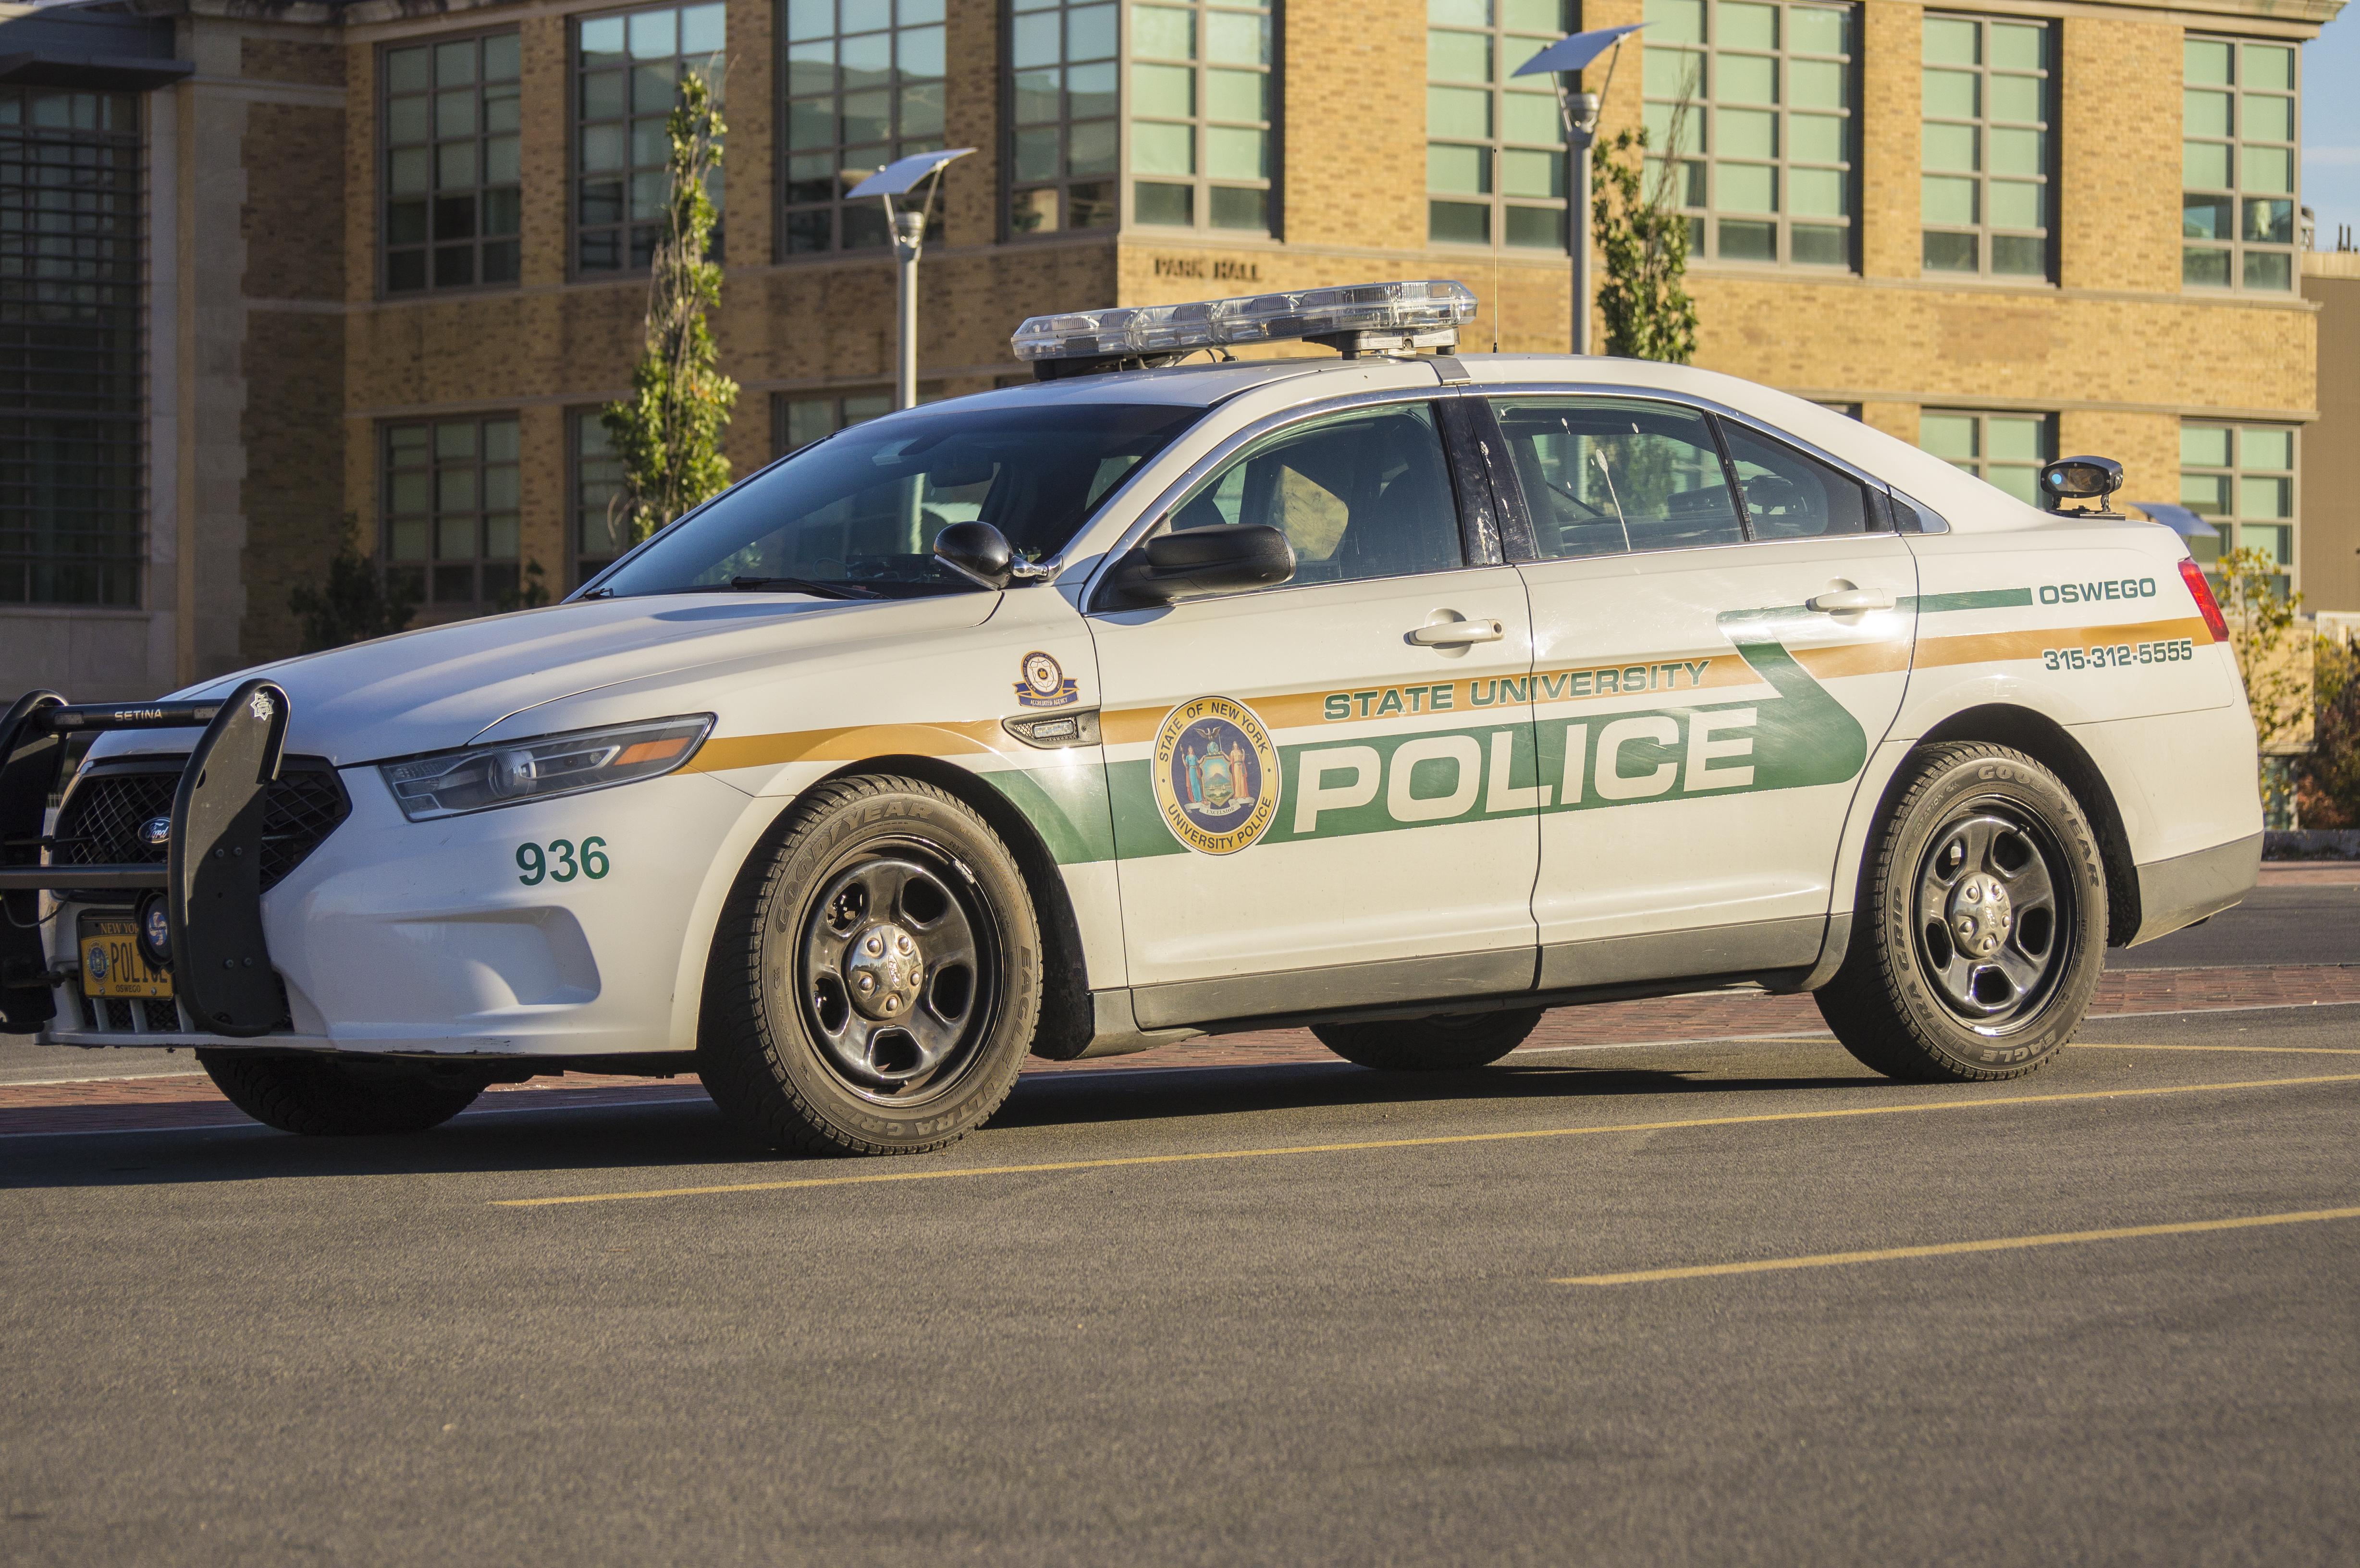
{"points": [[1457, 634], [1849, 600]]}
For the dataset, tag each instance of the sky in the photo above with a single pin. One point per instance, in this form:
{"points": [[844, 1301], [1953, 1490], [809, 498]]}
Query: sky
{"points": [[2331, 126]]}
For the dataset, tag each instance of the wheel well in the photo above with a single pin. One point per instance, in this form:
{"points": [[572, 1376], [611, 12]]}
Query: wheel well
{"points": [[1067, 1019], [2049, 743]]}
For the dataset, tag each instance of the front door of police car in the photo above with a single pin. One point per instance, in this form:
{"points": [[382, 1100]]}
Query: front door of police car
{"points": [[1721, 631], [1326, 782]]}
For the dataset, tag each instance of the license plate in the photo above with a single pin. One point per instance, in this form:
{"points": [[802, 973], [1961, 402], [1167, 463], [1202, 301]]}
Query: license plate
{"points": [[112, 966]]}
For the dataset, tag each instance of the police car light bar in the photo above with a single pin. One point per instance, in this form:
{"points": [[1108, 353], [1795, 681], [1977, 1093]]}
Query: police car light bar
{"points": [[1355, 317]]}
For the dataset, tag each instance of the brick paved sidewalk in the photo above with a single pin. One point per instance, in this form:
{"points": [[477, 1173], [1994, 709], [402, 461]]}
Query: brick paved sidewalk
{"points": [[181, 1100]]}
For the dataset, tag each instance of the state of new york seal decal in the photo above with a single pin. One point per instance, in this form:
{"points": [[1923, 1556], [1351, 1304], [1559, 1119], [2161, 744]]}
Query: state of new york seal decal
{"points": [[1216, 775]]}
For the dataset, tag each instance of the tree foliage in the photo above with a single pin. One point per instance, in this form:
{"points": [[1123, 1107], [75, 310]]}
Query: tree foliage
{"points": [[1642, 247], [2274, 658], [668, 433], [2327, 778], [353, 605]]}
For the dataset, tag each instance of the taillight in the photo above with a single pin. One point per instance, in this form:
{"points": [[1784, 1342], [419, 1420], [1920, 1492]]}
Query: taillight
{"points": [[2202, 587]]}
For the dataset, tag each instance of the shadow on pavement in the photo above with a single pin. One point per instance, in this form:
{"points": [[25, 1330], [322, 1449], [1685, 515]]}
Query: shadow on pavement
{"points": [[691, 1133]]}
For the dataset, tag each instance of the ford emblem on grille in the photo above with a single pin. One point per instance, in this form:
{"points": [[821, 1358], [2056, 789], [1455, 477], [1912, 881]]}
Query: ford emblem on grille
{"points": [[156, 832]]}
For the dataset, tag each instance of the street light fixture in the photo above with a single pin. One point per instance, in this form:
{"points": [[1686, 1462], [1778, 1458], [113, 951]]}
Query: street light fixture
{"points": [[908, 226], [1563, 59]]}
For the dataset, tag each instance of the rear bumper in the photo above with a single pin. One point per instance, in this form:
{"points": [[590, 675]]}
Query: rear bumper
{"points": [[2186, 888]]}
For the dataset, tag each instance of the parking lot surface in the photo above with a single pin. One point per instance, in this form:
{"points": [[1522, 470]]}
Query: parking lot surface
{"points": [[1297, 1313]]}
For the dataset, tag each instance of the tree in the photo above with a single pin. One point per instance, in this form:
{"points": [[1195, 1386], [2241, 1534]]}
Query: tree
{"points": [[2327, 778], [2273, 658], [1643, 245], [353, 606], [667, 434]]}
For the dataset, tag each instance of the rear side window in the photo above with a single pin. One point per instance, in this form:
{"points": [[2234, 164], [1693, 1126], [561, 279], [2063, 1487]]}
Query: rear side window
{"points": [[1789, 495], [1359, 496], [1604, 476]]}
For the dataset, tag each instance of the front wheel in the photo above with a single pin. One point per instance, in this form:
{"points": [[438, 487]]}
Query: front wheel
{"points": [[1981, 928], [340, 1096], [876, 980], [1449, 1043]]}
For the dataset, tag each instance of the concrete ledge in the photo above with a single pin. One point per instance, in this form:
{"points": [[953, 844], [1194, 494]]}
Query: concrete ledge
{"points": [[2313, 844]]}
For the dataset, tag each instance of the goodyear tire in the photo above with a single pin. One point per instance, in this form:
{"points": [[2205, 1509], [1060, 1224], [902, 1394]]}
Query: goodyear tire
{"points": [[1981, 929], [876, 980], [333, 1096], [1448, 1042]]}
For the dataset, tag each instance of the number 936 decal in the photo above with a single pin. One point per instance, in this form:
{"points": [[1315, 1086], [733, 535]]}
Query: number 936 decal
{"points": [[562, 862]]}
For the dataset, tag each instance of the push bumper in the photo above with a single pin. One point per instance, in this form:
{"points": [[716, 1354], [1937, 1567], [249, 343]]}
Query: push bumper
{"points": [[2180, 891]]}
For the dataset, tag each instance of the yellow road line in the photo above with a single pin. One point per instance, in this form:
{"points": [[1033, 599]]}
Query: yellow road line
{"points": [[1952, 1248], [2263, 1050], [1442, 1141]]}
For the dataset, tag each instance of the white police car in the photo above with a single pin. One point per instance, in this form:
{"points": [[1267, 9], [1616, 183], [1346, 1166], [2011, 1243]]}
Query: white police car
{"points": [[1398, 693]]}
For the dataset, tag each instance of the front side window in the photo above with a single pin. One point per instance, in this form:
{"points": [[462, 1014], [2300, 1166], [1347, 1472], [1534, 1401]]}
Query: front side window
{"points": [[1605, 476], [453, 182], [858, 513], [1359, 496], [1062, 151], [1201, 115], [450, 498], [861, 85], [2003, 449], [1755, 101], [2240, 478], [74, 493], [1984, 196], [1495, 170], [628, 67], [2237, 207]]}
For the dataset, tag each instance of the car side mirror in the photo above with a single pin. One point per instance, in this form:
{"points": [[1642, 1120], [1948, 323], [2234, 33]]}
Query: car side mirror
{"points": [[977, 551], [2083, 479], [1199, 561]]}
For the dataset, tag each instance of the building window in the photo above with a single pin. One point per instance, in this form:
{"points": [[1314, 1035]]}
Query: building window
{"points": [[453, 187], [799, 421], [599, 532], [2004, 449], [1984, 193], [2237, 210], [628, 70], [2240, 478], [1062, 155], [450, 511], [1755, 101], [72, 377], [863, 85], [1201, 115], [1495, 168]]}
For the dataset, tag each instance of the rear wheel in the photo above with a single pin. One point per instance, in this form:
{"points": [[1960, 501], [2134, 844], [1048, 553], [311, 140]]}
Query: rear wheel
{"points": [[1982, 932], [876, 980], [1448, 1043], [341, 1097]]}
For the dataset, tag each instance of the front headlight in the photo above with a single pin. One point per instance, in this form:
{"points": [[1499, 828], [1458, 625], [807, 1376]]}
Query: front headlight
{"points": [[512, 772]]}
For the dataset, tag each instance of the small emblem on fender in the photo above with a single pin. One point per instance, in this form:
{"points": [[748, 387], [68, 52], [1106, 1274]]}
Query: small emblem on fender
{"points": [[1045, 684]]}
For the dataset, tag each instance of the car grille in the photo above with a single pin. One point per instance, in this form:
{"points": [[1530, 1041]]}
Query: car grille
{"points": [[99, 824]]}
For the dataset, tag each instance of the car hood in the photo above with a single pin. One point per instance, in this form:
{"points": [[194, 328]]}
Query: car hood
{"points": [[430, 689]]}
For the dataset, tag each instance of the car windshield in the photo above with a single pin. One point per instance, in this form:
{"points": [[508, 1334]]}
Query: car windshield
{"points": [[858, 512]]}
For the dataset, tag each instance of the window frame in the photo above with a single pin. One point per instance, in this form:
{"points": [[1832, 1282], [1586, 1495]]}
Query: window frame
{"points": [[1008, 130], [1705, 219], [1201, 183], [1982, 460], [2239, 249], [840, 215], [386, 563], [1984, 232], [1509, 50], [2233, 522], [482, 188], [576, 123]]}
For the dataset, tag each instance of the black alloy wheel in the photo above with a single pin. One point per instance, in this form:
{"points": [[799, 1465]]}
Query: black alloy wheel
{"points": [[1995, 922], [895, 970]]}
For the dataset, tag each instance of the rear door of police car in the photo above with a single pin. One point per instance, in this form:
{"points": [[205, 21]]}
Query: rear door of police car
{"points": [[1723, 626], [1329, 780]]}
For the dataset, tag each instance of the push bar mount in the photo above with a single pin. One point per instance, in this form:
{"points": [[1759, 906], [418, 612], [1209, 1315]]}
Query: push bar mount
{"points": [[212, 879]]}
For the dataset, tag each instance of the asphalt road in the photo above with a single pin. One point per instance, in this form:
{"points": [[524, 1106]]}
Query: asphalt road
{"points": [[1305, 1314]]}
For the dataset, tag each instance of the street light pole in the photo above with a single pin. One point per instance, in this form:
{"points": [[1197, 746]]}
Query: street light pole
{"points": [[1564, 59], [907, 227]]}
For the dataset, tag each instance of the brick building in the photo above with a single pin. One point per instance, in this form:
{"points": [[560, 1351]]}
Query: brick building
{"points": [[315, 270]]}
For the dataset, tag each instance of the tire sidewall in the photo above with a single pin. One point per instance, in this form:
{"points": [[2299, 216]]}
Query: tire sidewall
{"points": [[993, 881], [2017, 781]]}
